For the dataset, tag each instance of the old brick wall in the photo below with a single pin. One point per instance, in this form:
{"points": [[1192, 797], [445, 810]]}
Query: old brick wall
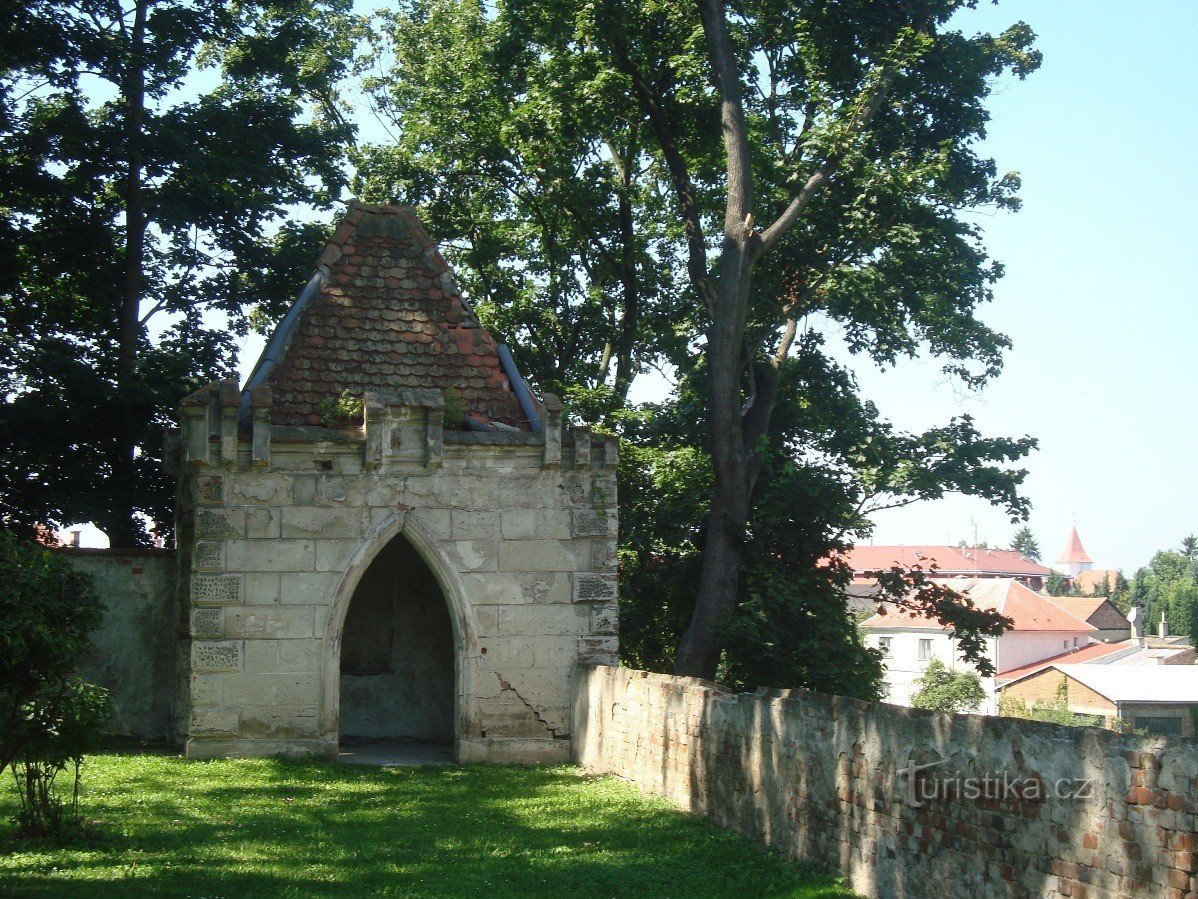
{"points": [[134, 649], [821, 777]]}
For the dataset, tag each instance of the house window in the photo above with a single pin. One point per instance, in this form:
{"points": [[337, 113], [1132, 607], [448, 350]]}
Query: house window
{"points": [[1066, 642], [925, 650], [1159, 725], [884, 645]]}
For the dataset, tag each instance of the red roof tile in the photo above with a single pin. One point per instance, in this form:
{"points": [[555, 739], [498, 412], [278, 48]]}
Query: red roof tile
{"points": [[1097, 610], [387, 315], [949, 560], [1026, 608], [1074, 554], [1085, 654]]}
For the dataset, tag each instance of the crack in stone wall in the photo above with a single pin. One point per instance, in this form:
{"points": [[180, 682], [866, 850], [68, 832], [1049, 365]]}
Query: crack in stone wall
{"points": [[504, 685]]}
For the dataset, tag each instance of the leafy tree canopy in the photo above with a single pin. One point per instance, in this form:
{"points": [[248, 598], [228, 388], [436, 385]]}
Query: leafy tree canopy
{"points": [[1024, 542], [150, 155], [942, 690]]}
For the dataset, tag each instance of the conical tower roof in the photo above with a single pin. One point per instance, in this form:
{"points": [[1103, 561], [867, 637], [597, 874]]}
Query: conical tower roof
{"points": [[1073, 554], [384, 312]]}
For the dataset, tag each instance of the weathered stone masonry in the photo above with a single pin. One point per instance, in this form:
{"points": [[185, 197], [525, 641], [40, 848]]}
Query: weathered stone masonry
{"points": [[818, 777], [279, 516]]}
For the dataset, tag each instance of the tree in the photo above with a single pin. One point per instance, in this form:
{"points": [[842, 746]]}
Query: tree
{"points": [[823, 113], [614, 124], [1057, 584], [942, 690], [1168, 586], [48, 718], [524, 161], [1024, 542], [151, 153], [1189, 547]]}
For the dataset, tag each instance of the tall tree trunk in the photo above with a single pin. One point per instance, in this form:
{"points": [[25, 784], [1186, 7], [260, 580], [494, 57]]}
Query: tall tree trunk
{"points": [[125, 528], [698, 652]]}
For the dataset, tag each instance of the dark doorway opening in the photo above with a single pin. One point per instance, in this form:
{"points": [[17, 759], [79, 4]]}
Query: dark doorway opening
{"points": [[397, 654]]}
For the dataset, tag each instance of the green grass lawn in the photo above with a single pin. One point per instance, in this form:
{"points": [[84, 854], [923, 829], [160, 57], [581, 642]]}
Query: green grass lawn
{"points": [[164, 826]]}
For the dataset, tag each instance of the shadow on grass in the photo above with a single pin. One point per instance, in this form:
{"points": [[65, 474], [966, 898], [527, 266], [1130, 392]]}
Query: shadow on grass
{"points": [[273, 827]]}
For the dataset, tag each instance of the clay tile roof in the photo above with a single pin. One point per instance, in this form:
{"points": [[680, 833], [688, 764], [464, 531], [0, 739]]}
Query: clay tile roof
{"points": [[1027, 609], [1095, 610], [383, 312], [1074, 554], [1073, 656], [1097, 580], [949, 560]]}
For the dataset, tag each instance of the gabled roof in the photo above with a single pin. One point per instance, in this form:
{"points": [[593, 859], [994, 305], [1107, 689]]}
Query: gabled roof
{"points": [[1073, 554], [1027, 609], [1087, 654], [1096, 610], [1138, 683], [383, 312], [1099, 581], [950, 561]]}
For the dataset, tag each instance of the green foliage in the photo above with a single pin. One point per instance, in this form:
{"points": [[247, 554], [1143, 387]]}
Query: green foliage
{"points": [[524, 160], [942, 690], [1167, 585], [48, 719], [830, 459], [248, 828], [1056, 584], [47, 611], [61, 725], [152, 155], [342, 411], [1024, 542], [455, 409], [1052, 711]]}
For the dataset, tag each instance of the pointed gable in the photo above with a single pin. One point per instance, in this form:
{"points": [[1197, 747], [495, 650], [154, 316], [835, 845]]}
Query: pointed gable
{"points": [[382, 313], [1074, 554]]}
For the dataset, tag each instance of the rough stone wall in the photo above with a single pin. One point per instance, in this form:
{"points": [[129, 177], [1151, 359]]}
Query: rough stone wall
{"points": [[818, 777], [518, 529], [133, 650]]}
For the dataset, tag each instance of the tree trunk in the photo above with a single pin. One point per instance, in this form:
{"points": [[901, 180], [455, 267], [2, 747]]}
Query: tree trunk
{"points": [[728, 517], [125, 530]]}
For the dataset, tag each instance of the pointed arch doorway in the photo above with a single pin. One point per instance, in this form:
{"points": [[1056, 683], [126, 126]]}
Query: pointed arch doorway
{"points": [[396, 671]]}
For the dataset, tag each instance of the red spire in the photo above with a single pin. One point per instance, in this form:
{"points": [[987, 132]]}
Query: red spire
{"points": [[1073, 554]]}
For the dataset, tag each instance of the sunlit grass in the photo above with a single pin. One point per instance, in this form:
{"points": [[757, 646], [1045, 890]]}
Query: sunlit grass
{"points": [[164, 826]]}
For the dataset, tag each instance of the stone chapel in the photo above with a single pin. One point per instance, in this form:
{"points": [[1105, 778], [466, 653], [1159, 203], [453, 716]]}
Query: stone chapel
{"points": [[386, 534]]}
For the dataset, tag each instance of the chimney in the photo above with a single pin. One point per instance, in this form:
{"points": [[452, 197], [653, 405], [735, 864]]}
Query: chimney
{"points": [[1136, 617], [1164, 626]]}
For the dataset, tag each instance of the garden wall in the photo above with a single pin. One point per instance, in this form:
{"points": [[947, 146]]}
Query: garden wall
{"points": [[135, 648], [822, 778]]}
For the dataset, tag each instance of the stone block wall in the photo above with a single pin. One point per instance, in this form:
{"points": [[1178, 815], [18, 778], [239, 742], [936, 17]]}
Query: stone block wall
{"points": [[519, 530], [825, 778], [134, 649]]}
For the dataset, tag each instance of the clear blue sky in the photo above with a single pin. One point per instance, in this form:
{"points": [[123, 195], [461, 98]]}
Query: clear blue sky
{"points": [[1100, 295]]}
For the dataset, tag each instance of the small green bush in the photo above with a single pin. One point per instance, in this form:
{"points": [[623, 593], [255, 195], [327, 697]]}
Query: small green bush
{"points": [[48, 718], [342, 411], [60, 728]]}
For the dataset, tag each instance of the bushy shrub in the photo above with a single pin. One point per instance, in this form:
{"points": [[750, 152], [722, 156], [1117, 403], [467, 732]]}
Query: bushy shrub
{"points": [[59, 729], [47, 717]]}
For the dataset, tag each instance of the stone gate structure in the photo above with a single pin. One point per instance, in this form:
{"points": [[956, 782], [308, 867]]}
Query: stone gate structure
{"points": [[386, 535]]}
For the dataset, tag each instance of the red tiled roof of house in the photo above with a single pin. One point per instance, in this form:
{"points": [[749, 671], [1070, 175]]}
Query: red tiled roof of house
{"points": [[387, 315], [1085, 654], [949, 560], [1074, 554], [1097, 581], [1027, 609], [1096, 610]]}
